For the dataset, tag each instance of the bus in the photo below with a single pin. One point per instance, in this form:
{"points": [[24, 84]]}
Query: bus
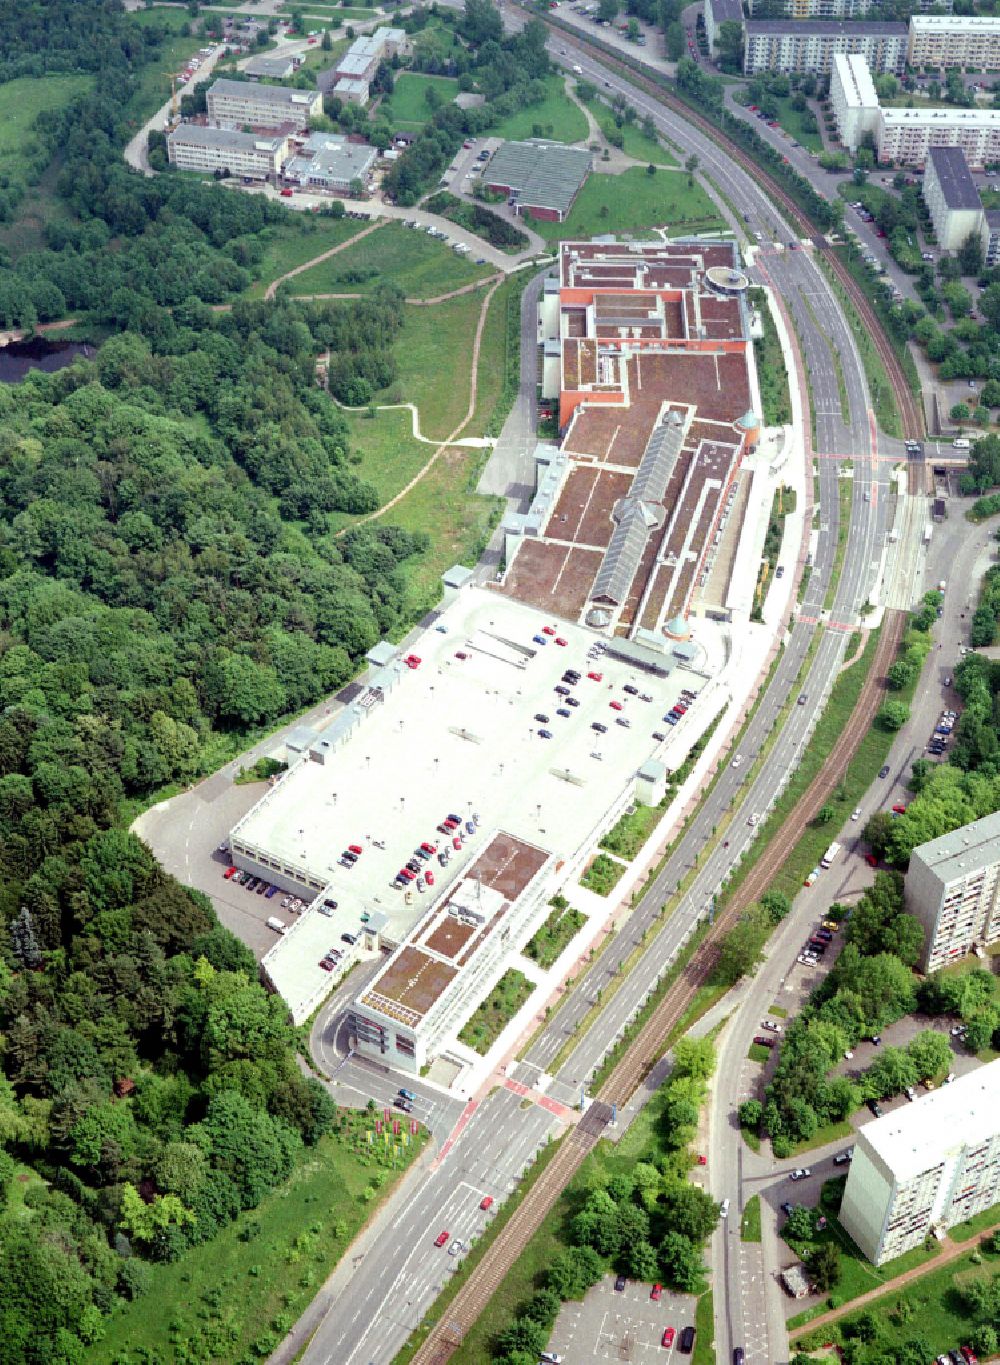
{"points": [[830, 855]]}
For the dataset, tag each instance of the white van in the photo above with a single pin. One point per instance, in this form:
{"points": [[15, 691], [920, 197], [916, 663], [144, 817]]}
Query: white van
{"points": [[960, 443], [578, 71], [276, 925]]}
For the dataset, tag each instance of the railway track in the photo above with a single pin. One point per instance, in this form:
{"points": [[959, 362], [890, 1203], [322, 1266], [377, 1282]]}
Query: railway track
{"points": [[648, 1045], [910, 412]]}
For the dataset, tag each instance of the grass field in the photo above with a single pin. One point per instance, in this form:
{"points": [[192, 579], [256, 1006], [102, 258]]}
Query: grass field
{"points": [[883, 398], [791, 120], [556, 117], [289, 245], [635, 142], [635, 200], [154, 80], [437, 342], [750, 1223], [704, 1321], [249, 1284], [407, 106], [21, 102], [389, 456], [422, 266]]}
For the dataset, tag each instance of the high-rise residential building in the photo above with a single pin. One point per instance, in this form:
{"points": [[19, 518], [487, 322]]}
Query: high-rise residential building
{"points": [[854, 99], [831, 9], [989, 235], [951, 197], [232, 104], [906, 136], [810, 45], [944, 40], [926, 1167], [953, 888]]}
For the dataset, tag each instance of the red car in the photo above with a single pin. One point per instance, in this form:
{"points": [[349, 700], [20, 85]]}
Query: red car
{"points": [[429, 848], [899, 809], [405, 874], [461, 655], [702, 1160], [596, 677], [441, 1239], [429, 877], [616, 706], [548, 630], [656, 1293], [871, 860], [355, 848], [456, 843], [487, 1203], [560, 641], [668, 1337], [229, 872], [412, 661], [286, 194]]}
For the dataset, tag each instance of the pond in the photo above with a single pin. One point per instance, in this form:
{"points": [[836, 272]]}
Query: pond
{"points": [[18, 358]]}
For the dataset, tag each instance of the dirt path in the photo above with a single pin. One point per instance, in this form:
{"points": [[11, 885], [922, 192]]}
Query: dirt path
{"points": [[473, 392], [951, 1253], [272, 288], [859, 650], [416, 303]]}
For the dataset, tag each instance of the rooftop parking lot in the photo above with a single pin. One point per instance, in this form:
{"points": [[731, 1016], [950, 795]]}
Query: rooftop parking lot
{"points": [[484, 735]]}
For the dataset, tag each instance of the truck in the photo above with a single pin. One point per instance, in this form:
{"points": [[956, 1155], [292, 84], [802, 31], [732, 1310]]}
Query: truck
{"points": [[830, 856]]}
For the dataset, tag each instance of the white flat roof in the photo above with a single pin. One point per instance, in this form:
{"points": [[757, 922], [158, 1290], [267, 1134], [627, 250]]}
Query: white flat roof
{"points": [[941, 118], [962, 1114], [957, 23], [856, 80], [457, 736], [969, 849]]}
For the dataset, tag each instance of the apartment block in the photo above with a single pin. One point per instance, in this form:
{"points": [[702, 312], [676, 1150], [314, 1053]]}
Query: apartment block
{"points": [[926, 1167], [231, 104], [193, 147], [854, 99], [810, 45], [831, 9], [720, 12], [953, 888], [989, 235], [951, 197], [944, 40]]}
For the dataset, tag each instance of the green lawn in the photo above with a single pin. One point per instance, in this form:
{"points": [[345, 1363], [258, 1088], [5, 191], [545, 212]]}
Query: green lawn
{"points": [[437, 342], [791, 120], [934, 1313], [627, 837], [291, 244], [496, 1011], [387, 455], [556, 117], [407, 105], [961, 1232], [603, 875], [225, 1300], [757, 1053], [750, 1223], [422, 266], [827, 1132], [632, 201], [771, 368], [704, 1321], [154, 80], [636, 144]]}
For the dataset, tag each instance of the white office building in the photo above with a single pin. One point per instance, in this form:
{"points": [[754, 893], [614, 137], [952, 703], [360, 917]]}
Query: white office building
{"points": [[945, 40], [810, 45], [854, 99], [926, 1167], [329, 162], [233, 104], [953, 888], [951, 197], [193, 147]]}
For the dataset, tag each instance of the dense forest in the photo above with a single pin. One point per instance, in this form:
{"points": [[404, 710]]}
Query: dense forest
{"points": [[167, 575]]}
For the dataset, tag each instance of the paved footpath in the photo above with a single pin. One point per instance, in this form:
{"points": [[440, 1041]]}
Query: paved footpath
{"points": [[951, 1253]]}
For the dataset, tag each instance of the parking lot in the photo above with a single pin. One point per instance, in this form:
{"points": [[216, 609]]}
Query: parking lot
{"points": [[622, 1325]]}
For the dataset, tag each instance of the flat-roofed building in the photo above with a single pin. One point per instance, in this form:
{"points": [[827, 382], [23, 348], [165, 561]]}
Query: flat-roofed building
{"points": [[720, 12], [953, 888], [832, 9], [989, 235], [925, 1167], [945, 40], [351, 78], [854, 99], [810, 45], [951, 197], [542, 178], [905, 136], [328, 162], [193, 147], [233, 104], [271, 68]]}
